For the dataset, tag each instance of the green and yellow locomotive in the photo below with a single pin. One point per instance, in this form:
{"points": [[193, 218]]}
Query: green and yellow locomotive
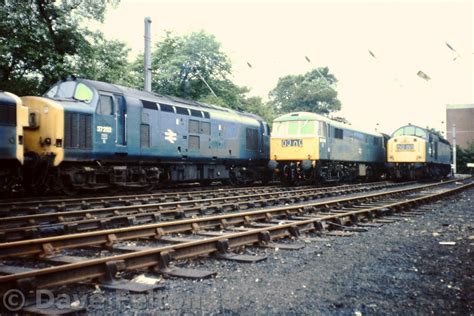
{"points": [[307, 147], [414, 152]]}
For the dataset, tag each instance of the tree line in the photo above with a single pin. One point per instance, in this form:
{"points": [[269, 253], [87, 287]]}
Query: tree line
{"points": [[42, 41]]}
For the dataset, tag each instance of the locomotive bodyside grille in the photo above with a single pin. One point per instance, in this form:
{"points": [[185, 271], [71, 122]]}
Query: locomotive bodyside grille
{"points": [[8, 114], [77, 130]]}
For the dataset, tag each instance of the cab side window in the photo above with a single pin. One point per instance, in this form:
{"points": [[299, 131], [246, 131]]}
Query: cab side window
{"points": [[106, 105]]}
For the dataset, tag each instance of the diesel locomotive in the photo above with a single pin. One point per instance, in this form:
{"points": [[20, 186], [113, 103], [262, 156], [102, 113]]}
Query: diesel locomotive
{"points": [[85, 134], [414, 152], [307, 147], [13, 118]]}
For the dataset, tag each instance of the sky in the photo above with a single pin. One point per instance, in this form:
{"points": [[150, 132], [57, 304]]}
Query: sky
{"points": [[275, 36]]}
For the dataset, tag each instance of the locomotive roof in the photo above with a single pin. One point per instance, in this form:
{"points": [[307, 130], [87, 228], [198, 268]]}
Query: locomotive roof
{"points": [[298, 116], [159, 98], [427, 131]]}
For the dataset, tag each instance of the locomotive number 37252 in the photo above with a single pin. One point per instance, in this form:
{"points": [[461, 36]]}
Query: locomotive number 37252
{"points": [[104, 129]]}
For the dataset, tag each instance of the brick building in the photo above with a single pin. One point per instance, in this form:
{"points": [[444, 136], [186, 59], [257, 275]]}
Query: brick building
{"points": [[463, 116]]}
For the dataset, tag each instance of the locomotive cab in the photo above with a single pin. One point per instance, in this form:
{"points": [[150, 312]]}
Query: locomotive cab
{"points": [[414, 152], [295, 145], [407, 144]]}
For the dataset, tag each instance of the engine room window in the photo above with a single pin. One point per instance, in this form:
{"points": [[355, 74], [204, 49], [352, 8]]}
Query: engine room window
{"points": [[252, 138], [83, 93], [106, 105], [149, 105], [182, 111], [166, 108], [196, 113], [193, 127]]}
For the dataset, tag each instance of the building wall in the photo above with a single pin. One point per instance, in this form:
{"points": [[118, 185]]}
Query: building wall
{"points": [[463, 116]]}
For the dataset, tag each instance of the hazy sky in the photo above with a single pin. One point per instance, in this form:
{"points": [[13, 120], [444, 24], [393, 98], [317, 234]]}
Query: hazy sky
{"points": [[275, 36]]}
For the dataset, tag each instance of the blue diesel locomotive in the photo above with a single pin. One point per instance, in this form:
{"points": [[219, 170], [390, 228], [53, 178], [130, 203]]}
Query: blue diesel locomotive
{"points": [[90, 134], [13, 118]]}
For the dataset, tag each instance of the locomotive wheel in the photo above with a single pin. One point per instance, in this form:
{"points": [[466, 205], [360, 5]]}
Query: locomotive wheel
{"points": [[240, 177], [66, 187]]}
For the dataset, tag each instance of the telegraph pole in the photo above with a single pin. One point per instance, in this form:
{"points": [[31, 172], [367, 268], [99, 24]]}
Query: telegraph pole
{"points": [[454, 148], [147, 65]]}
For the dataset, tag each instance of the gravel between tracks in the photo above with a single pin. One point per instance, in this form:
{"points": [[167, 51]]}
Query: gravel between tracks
{"points": [[399, 268]]}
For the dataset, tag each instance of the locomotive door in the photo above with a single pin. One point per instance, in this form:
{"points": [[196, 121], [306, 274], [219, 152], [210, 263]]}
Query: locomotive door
{"points": [[105, 123], [120, 121], [327, 131]]}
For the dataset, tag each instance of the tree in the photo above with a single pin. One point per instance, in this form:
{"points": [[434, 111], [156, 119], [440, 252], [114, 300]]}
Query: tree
{"points": [[340, 119], [309, 92], [463, 157], [182, 65], [103, 60], [44, 40]]}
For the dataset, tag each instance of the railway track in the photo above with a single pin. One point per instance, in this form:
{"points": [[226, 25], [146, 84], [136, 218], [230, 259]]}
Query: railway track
{"points": [[156, 246], [42, 205], [58, 203], [55, 223]]}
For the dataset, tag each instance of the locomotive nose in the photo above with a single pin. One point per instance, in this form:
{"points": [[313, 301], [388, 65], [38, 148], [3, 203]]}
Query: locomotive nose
{"points": [[45, 129]]}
